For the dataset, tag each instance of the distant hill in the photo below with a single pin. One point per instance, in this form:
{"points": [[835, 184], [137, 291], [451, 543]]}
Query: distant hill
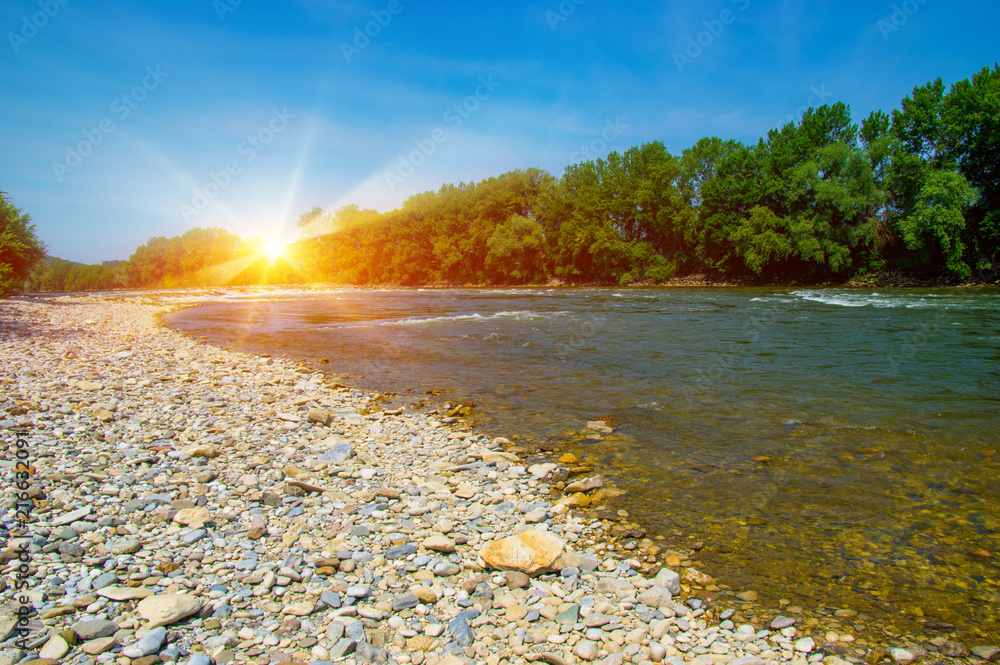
{"points": [[49, 259], [59, 275]]}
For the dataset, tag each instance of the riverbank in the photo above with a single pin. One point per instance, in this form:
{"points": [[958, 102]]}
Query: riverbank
{"points": [[273, 515], [875, 280]]}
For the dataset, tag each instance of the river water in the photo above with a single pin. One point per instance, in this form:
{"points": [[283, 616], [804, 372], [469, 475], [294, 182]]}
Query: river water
{"points": [[833, 447]]}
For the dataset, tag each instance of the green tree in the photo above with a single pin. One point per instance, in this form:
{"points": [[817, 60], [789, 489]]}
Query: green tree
{"points": [[972, 113], [762, 239], [814, 185], [516, 251], [876, 235], [20, 248], [932, 198], [722, 182], [936, 224]]}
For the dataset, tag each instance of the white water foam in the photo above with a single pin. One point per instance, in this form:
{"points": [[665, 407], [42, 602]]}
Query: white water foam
{"points": [[851, 299], [772, 299], [415, 321]]}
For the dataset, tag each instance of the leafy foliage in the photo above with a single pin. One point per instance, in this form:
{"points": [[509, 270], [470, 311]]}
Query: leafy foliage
{"points": [[515, 250], [935, 226], [20, 248], [54, 274]]}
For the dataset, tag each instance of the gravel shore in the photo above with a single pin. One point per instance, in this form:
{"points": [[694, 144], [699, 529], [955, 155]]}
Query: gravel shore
{"points": [[197, 505]]}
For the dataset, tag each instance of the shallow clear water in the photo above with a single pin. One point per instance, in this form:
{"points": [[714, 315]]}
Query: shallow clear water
{"points": [[836, 447]]}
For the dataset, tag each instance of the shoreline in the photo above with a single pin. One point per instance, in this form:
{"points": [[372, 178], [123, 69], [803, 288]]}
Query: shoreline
{"points": [[687, 281], [380, 555]]}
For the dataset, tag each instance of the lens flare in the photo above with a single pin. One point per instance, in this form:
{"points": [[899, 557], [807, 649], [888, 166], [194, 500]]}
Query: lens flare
{"points": [[274, 249]]}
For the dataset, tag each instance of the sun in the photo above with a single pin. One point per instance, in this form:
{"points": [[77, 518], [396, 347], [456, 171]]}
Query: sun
{"points": [[274, 249]]}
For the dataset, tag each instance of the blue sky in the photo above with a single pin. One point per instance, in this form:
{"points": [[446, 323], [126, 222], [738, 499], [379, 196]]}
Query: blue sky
{"points": [[123, 121]]}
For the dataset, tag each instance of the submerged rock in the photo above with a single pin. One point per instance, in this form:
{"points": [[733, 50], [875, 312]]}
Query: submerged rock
{"points": [[585, 485]]}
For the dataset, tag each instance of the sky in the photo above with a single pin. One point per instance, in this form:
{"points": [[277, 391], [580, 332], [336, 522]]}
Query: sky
{"points": [[123, 121]]}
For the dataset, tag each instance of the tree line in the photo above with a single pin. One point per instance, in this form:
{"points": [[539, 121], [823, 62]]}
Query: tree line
{"points": [[55, 274], [200, 257], [824, 199]]}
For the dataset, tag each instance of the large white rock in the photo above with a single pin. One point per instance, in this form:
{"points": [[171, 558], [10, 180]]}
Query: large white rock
{"points": [[498, 458], [190, 516], [439, 543], [669, 580], [805, 645], [69, 518], [902, 656], [532, 552], [656, 596], [987, 653], [301, 609], [167, 608], [207, 450], [586, 650], [55, 648], [8, 622], [585, 485], [123, 593]]}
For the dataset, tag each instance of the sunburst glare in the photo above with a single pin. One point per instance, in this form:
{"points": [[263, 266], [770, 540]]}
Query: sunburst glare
{"points": [[274, 249]]}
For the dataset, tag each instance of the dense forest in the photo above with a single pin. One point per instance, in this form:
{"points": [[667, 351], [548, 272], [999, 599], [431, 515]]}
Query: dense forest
{"points": [[54, 274], [824, 199]]}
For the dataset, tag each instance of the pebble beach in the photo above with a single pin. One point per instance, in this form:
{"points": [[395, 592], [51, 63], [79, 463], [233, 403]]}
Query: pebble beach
{"points": [[195, 505]]}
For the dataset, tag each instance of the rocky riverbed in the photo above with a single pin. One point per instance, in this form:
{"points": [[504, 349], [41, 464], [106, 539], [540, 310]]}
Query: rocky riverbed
{"points": [[197, 505]]}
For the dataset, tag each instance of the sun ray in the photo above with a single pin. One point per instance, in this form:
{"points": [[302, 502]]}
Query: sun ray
{"points": [[222, 273], [273, 237], [300, 165], [274, 249]]}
